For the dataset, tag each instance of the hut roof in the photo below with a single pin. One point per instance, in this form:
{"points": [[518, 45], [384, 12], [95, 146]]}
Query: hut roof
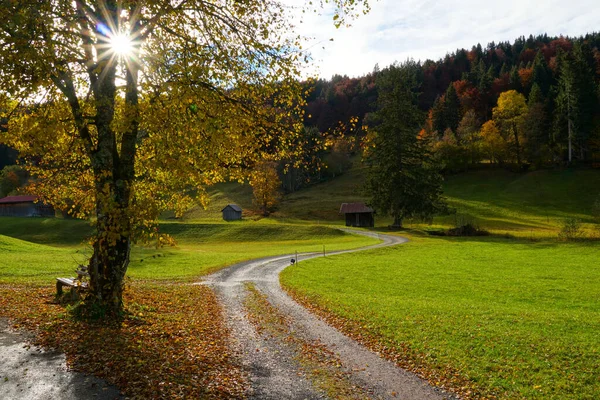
{"points": [[235, 207], [352, 208], [18, 199]]}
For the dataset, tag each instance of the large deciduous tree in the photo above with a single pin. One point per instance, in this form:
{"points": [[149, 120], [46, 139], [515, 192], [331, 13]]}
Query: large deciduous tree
{"points": [[125, 108], [266, 187], [402, 179], [509, 115]]}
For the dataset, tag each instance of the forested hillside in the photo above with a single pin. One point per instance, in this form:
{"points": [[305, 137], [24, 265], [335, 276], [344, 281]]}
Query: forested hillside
{"points": [[530, 103], [533, 101]]}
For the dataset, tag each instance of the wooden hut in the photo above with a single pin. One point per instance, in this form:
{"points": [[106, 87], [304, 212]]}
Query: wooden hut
{"points": [[232, 212], [358, 214], [24, 206]]}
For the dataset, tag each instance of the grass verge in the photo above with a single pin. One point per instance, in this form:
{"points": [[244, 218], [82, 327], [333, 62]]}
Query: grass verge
{"points": [[487, 318]]}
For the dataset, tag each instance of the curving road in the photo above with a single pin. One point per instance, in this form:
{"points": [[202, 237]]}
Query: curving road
{"points": [[273, 371]]}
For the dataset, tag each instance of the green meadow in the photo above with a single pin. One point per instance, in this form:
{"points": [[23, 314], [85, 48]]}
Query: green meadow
{"points": [[511, 315], [514, 318], [534, 203], [43, 249], [523, 204]]}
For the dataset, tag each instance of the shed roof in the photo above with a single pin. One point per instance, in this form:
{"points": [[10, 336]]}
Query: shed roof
{"points": [[352, 208], [18, 199], [235, 207]]}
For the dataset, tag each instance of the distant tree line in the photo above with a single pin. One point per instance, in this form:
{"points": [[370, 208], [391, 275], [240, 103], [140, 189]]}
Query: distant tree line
{"points": [[531, 102]]}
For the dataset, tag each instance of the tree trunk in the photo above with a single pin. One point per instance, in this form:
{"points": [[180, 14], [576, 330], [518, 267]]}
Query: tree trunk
{"points": [[113, 165], [108, 264], [516, 134], [397, 223], [570, 139], [113, 173]]}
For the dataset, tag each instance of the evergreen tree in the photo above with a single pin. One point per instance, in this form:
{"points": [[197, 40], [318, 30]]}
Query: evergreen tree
{"points": [[486, 80], [451, 108], [438, 115], [535, 95], [402, 180], [583, 60], [542, 76], [535, 126], [567, 105], [515, 80]]}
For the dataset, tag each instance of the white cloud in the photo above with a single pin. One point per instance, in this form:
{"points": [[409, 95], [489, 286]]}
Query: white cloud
{"points": [[395, 30]]}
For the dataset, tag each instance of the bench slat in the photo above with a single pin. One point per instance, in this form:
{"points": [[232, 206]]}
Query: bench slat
{"points": [[66, 281]]}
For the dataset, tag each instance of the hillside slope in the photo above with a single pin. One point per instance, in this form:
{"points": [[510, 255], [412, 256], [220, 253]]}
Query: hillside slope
{"points": [[494, 199]]}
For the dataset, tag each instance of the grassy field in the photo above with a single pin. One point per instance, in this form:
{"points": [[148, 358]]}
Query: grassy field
{"points": [[219, 196], [506, 318], [534, 203], [501, 316], [320, 202], [43, 249], [537, 202], [521, 204]]}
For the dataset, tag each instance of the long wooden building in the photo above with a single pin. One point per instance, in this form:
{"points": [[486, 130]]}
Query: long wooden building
{"points": [[24, 206]]}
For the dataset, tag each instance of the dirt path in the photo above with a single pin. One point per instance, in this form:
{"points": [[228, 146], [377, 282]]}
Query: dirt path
{"points": [[27, 372], [272, 362]]}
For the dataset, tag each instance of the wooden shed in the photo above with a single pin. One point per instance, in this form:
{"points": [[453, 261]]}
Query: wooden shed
{"points": [[232, 212], [358, 214], [24, 206]]}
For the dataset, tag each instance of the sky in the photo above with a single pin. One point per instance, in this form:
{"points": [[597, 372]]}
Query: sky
{"points": [[396, 30]]}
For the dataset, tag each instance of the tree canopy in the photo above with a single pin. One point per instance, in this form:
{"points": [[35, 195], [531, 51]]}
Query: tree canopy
{"points": [[122, 109]]}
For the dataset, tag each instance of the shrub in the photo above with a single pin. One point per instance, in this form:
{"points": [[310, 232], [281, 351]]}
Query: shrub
{"points": [[462, 227], [571, 230], [467, 229], [596, 210]]}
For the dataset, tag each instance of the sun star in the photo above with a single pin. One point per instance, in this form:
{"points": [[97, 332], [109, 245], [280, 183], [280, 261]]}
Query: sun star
{"points": [[121, 44]]}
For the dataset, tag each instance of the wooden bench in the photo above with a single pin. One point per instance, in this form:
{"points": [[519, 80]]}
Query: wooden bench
{"points": [[76, 284]]}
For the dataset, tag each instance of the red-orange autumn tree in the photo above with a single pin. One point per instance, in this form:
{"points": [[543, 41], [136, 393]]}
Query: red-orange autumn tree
{"points": [[122, 109]]}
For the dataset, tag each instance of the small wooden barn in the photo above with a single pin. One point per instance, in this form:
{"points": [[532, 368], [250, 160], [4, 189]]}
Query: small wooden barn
{"points": [[358, 214], [232, 212], [24, 206]]}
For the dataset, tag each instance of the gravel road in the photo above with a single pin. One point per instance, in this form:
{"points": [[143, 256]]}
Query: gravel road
{"points": [[273, 370]]}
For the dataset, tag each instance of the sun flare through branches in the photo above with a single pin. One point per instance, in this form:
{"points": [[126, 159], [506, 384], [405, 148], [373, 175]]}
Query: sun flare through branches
{"points": [[121, 45]]}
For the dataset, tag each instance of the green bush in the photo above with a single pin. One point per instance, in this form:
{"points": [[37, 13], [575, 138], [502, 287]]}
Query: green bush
{"points": [[596, 210], [571, 230]]}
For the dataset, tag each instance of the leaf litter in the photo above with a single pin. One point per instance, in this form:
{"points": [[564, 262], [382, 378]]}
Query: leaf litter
{"points": [[172, 342]]}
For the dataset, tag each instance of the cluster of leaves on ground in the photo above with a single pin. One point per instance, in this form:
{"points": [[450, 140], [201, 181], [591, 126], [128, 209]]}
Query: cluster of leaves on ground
{"points": [[322, 366], [171, 344]]}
